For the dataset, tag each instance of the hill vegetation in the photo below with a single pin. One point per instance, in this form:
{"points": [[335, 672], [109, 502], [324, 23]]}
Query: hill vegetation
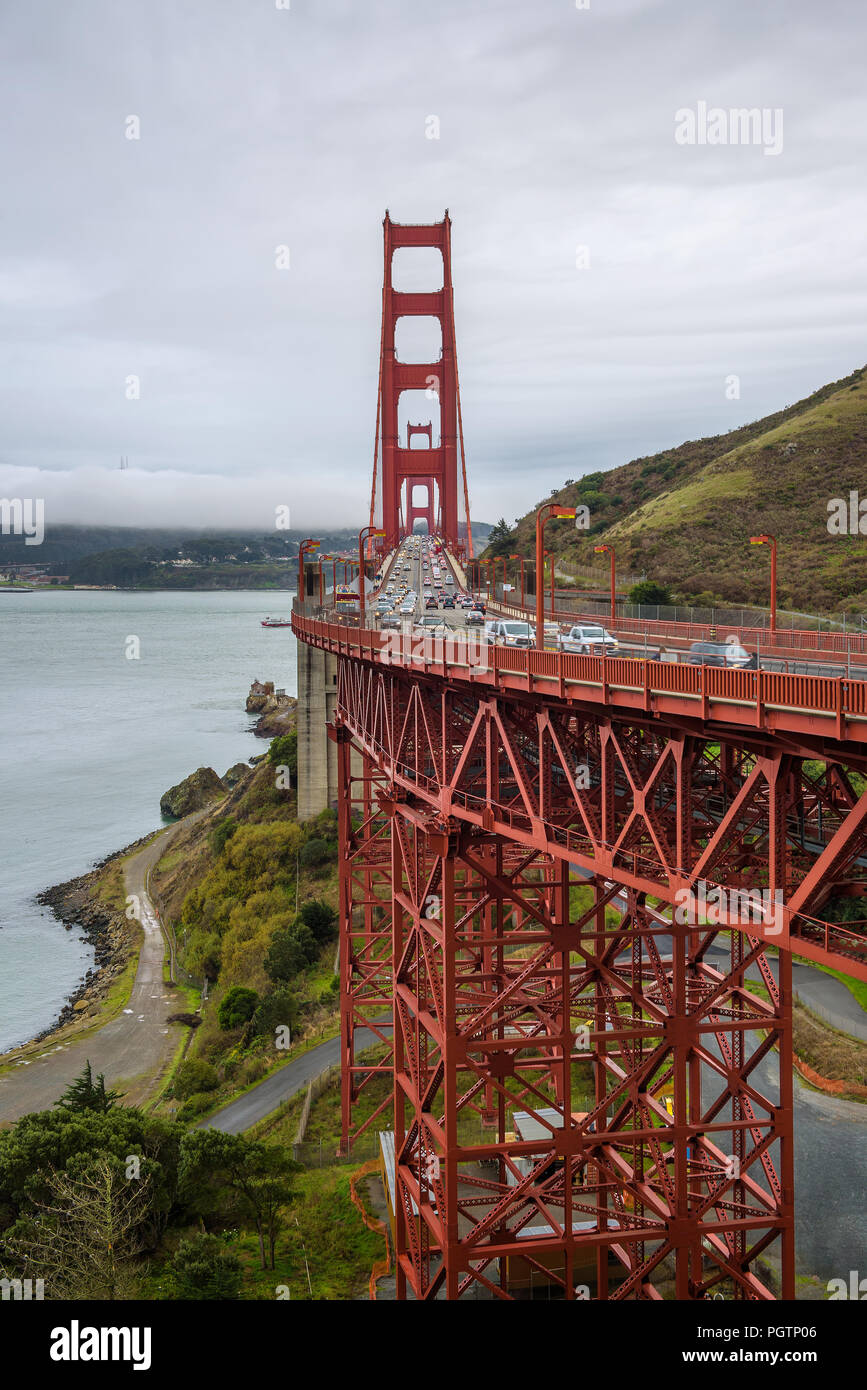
{"points": [[684, 517]]}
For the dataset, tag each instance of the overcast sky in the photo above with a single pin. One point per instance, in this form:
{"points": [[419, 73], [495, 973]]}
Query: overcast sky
{"points": [[263, 127]]}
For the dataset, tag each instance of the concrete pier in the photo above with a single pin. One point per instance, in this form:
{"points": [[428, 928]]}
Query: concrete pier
{"points": [[317, 755]]}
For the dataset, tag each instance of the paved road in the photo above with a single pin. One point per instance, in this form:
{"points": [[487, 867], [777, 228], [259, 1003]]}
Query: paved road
{"points": [[134, 1048], [282, 1085]]}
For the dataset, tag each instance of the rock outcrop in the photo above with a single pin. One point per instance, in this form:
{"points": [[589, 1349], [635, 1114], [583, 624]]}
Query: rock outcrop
{"points": [[235, 773], [196, 791], [276, 709]]}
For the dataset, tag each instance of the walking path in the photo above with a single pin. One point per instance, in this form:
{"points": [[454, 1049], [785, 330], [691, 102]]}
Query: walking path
{"points": [[133, 1049]]}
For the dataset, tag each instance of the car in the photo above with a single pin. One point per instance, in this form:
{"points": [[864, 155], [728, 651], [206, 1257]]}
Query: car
{"points": [[730, 654], [475, 617], [436, 627], [431, 603], [390, 620], [586, 638], [448, 601], [510, 633]]}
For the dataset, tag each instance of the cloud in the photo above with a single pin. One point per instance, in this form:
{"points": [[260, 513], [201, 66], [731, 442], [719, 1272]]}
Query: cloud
{"points": [[261, 127]]}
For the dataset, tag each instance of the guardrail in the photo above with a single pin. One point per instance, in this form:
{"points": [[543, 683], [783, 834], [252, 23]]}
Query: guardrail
{"points": [[782, 641], [768, 698], [816, 693]]}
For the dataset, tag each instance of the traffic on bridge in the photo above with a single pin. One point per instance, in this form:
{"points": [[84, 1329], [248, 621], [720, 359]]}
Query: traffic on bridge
{"points": [[576, 862]]}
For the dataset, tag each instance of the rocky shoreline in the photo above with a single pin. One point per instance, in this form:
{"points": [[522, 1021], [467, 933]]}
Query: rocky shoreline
{"points": [[277, 711], [112, 935], [114, 938]]}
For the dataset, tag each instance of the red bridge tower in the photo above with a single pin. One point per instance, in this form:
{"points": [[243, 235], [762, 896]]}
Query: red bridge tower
{"points": [[435, 468]]}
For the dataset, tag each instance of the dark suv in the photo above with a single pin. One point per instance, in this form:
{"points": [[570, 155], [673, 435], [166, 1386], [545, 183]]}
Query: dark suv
{"points": [[730, 654]]}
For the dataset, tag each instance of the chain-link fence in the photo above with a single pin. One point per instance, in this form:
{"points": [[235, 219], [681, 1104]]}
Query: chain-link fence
{"points": [[323, 1153]]}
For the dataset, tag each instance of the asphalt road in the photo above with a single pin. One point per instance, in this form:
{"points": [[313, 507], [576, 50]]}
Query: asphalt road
{"points": [[134, 1048], [281, 1085]]}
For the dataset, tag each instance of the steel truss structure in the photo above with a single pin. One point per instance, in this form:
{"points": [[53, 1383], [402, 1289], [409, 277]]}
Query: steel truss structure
{"points": [[556, 923]]}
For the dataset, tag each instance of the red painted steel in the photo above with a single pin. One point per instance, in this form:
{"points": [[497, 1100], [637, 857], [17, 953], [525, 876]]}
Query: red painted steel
{"points": [[436, 467], [559, 879]]}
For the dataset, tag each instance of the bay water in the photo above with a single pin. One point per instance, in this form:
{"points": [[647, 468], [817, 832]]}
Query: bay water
{"points": [[91, 737]]}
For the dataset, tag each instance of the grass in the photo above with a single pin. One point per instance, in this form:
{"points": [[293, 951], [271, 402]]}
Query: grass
{"points": [[324, 1251], [833, 1055]]}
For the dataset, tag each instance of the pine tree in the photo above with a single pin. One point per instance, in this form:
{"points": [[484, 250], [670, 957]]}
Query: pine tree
{"points": [[86, 1094]]}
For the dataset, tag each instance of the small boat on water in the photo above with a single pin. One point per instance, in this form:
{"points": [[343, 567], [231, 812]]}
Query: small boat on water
{"points": [[276, 622]]}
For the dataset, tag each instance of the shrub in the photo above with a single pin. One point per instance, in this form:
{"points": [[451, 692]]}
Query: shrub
{"points": [[221, 834], [283, 751], [196, 1104], [236, 1007], [290, 952], [194, 1075], [203, 1268], [315, 852], [277, 1010], [648, 591]]}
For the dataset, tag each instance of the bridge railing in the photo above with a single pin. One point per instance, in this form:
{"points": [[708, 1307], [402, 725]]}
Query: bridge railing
{"points": [[786, 641], [777, 690], [847, 943]]}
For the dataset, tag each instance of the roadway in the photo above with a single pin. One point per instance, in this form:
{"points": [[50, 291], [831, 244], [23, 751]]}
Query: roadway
{"points": [[134, 1049], [456, 619]]}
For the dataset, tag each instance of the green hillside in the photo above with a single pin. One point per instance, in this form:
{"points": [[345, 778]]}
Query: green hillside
{"points": [[684, 516]]}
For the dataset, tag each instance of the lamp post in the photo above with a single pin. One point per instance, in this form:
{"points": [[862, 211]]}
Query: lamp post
{"points": [[609, 550], [491, 583], [364, 534], [543, 516], [503, 558], [549, 556], [303, 548], [772, 542], [521, 558]]}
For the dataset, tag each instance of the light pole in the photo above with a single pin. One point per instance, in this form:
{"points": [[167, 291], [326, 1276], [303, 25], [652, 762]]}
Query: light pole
{"points": [[609, 550], [490, 583], [549, 556], [543, 516], [503, 558], [364, 534], [772, 542], [521, 558], [303, 548]]}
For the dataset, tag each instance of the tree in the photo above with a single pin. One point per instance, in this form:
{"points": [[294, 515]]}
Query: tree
{"points": [[502, 538], [290, 952], [648, 591], [283, 751], [86, 1094], [83, 1236], [57, 1140], [226, 1169], [320, 918], [202, 1268], [236, 1007]]}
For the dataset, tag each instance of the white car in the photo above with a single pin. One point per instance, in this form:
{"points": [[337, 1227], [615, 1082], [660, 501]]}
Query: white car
{"points": [[510, 633], [586, 638]]}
